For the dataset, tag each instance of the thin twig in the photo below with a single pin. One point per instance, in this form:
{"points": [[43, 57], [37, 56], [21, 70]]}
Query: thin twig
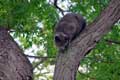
{"points": [[112, 41], [38, 57], [42, 59], [55, 4]]}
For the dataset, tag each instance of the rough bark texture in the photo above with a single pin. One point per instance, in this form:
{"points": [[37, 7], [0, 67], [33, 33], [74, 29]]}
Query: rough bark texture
{"points": [[13, 63], [68, 62]]}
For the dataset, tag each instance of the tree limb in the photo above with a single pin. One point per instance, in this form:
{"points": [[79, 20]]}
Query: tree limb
{"points": [[112, 41], [42, 59], [14, 65], [38, 57], [55, 4], [68, 62]]}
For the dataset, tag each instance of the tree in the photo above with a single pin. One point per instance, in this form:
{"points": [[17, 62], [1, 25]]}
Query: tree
{"points": [[31, 24], [13, 63], [68, 62]]}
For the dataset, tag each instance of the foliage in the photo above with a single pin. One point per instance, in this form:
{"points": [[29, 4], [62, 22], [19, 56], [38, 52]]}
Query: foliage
{"points": [[103, 62], [32, 23]]}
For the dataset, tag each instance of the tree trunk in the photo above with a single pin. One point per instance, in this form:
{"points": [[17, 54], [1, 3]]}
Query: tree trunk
{"points": [[13, 63], [68, 62]]}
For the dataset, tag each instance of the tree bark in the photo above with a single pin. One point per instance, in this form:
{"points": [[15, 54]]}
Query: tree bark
{"points": [[13, 63], [68, 62]]}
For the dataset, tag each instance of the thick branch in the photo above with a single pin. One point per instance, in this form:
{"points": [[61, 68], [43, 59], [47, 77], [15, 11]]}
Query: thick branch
{"points": [[68, 62], [14, 65]]}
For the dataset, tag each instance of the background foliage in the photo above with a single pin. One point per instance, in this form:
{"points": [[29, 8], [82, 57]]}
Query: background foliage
{"points": [[32, 25]]}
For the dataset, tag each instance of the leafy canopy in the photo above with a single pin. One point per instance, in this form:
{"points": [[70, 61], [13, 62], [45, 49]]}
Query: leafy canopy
{"points": [[32, 23]]}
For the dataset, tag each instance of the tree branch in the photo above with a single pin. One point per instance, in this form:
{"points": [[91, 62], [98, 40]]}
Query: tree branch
{"points": [[55, 4], [42, 59], [112, 41], [68, 62], [38, 57]]}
